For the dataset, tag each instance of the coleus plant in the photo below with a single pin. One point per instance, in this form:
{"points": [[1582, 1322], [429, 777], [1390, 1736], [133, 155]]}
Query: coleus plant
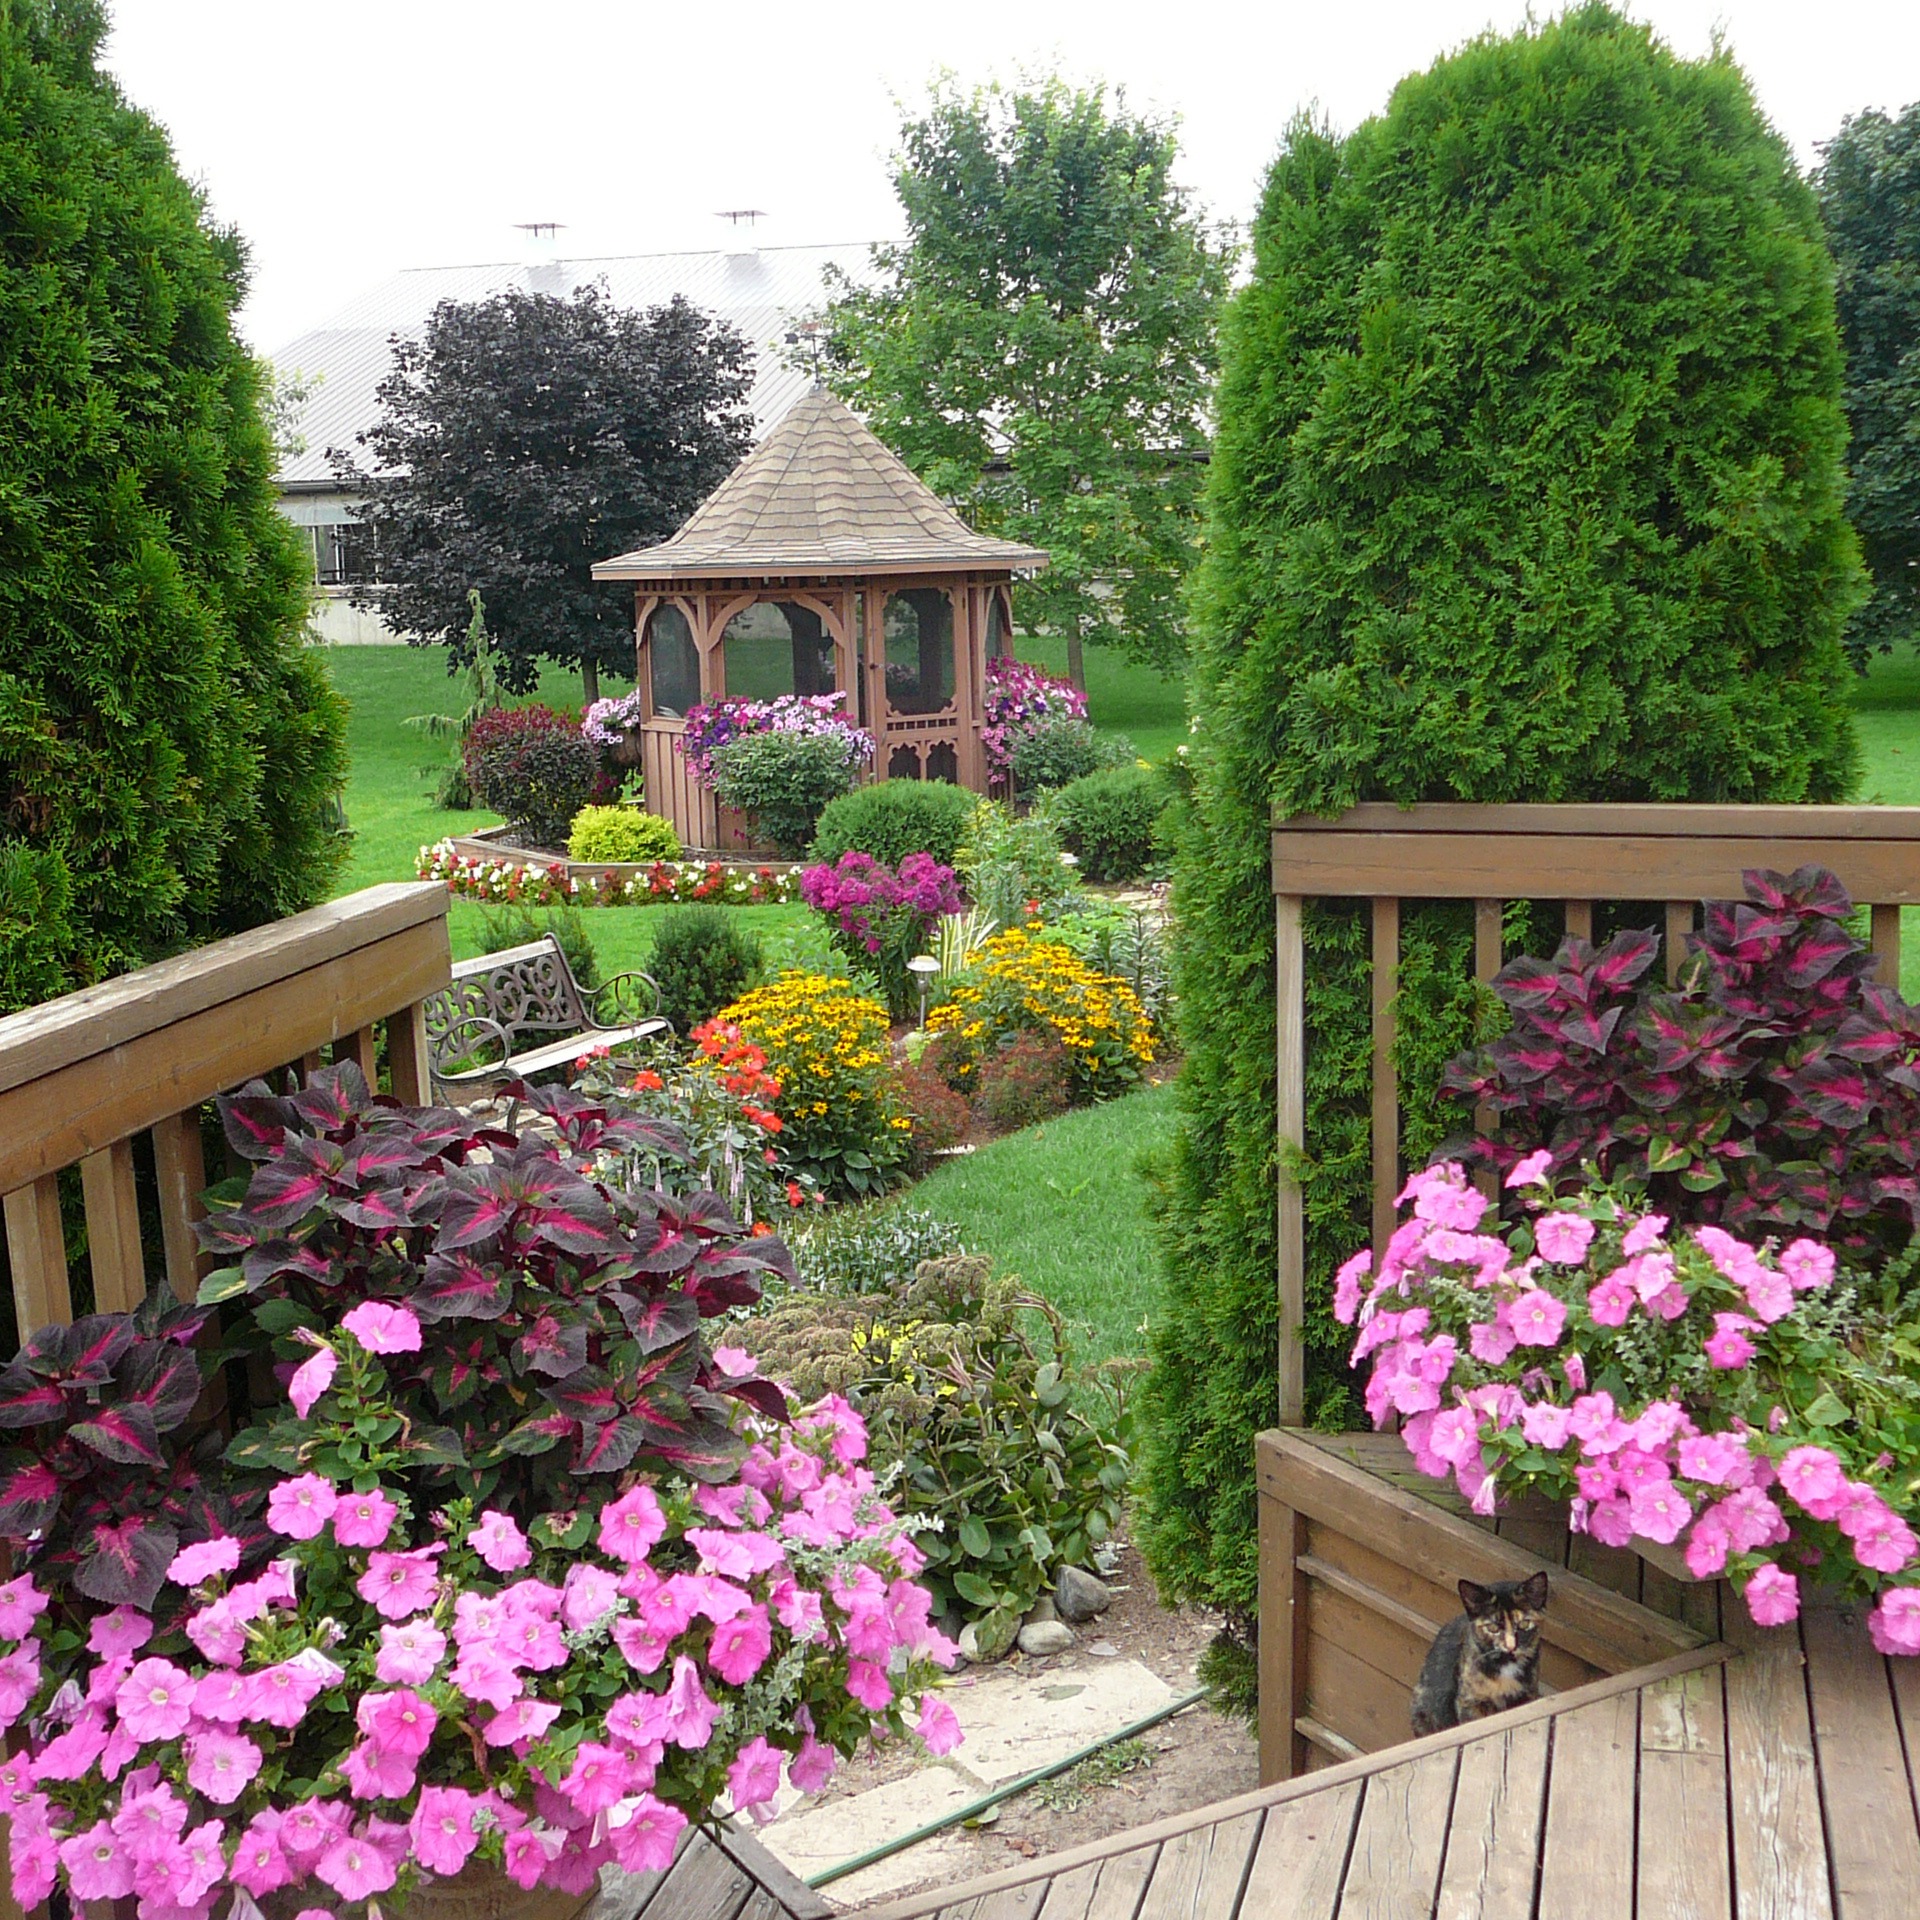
{"points": [[561, 1304], [106, 1473], [1776, 1086]]}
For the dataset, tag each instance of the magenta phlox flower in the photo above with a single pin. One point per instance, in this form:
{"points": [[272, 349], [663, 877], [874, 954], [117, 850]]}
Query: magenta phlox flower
{"points": [[442, 1830], [1894, 1624], [1531, 1171], [632, 1526], [309, 1828], [374, 1772], [738, 1556], [1807, 1265], [1727, 1346], [1563, 1238], [311, 1378], [203, 1560], [1491, 1341], [690, 1713], [410, 1652], [382, 1327], [364, 1519], [21, 1604], [1658, 1510], [220, 1765], [1611, 1522], [1772, 1596], [259, 1865], [1716, 1459], [301, 1507], [1644, 1235], [591, 1594], [523, 1720], [155, 1701], [1611, 1299], [644, 1841], [356, 1869], [400, 1721], [397, 1585], [123, 1631], [1537, 1318], [70, 1755], [498, 1541], [1813, 1477]]}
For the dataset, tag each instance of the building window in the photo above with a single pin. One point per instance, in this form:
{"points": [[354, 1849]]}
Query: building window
{"points": [[918, 625], [777, 647], [673, 663], [343, 554]]}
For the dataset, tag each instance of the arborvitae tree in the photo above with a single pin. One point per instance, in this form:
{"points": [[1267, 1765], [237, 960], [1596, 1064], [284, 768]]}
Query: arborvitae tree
{"points": [[1041, 346], [171, 754], [1527, 486], [524, 437], [1869, 188]]}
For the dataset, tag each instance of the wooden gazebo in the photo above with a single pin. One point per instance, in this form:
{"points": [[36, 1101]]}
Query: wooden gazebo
{"points": [[821, 564]]}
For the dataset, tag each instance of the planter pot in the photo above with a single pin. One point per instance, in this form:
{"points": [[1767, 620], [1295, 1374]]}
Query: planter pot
{"points": [[482, 1892], [627, 750]]}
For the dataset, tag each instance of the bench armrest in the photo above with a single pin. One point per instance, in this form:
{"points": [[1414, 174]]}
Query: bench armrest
{"points": [[625, 1000], [459, 1039]]}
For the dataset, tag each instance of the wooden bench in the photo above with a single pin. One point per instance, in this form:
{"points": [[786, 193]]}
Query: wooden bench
{"points": [[479, 1027]]}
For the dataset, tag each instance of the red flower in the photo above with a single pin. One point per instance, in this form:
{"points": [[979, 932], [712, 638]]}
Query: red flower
{"points": [[795, 1197]]}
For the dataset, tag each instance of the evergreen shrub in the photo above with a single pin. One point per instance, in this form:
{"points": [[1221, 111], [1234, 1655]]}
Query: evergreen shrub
{"points": [[520, 926], [1061, 748], [616, 834], [893, 818], [702, 960], [1107, 820], [171, 752], [1527, 486]]}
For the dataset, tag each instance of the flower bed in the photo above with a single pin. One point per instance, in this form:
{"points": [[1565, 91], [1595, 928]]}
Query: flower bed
{"points": [[501, 881], [1670, 1385], [881, 918], [1022, 700], [511, 1566]]}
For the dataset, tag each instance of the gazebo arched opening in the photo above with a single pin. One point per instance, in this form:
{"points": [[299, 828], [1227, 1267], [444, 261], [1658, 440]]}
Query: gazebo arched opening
{"points": [[821, 565]]}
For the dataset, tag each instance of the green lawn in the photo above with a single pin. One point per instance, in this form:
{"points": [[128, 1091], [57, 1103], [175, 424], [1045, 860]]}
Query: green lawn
{"points": [[1130, 699], [1886, 709], [1062, 1206]]}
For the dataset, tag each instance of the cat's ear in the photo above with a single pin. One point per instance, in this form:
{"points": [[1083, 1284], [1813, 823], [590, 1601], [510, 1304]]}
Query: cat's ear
{"points": [[1475, 1598], [1533, 1592]]}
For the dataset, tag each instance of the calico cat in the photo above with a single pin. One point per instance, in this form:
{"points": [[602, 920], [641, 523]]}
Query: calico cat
{"points": [[1486, 1660]]}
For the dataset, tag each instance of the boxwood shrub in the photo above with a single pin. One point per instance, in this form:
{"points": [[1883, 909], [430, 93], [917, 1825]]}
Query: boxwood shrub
{"points": [[1106, 820], [893, 818]]}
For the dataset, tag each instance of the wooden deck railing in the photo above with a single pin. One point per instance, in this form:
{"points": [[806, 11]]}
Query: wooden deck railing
{"points": [[1676, 855], [81, 1077]]}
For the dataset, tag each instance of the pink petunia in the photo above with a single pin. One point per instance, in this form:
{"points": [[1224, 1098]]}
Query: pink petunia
{"points": [[1772, 1596], [155, 1701], [1563, 1238], [221, 1764], [632, 1526], [98, 1867], [735, 1362], [1807, 1265], [1751, 1520], [938, 1726], [259, 1864], [1490, 1341], [597, 1779], [1727, 1346], [21, 1604], [301, 1507], [812, 1766], [498, 1541], [754, 1777], [219, 1632], [1537, 1318], [1813, 1476], [356, 1869], [1546, 1425], [281, 1694], [400, 1721], [1658, 1511], [690, 1713], [868, 1683], [737, 1555], [1707, 1547], [1531, 1171], [123, 1631], [309, 1828], [1718, 1459], [311, 1379], [1346, 1285], [380, 1773], [410, 1653], [203, 1560], [1611, 1522], [382, 1327], [523, 1720], [1644, 1235], [364, 1519], [442, 1829], [1769, 1294], [1610, 1300], [646, 1840], [1889, 1546], [396, 1585], [1894, 1624], [592, 1593], [739, 1648]]}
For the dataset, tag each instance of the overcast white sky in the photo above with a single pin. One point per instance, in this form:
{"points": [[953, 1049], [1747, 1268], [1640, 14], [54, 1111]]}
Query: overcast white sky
{"points": [[349, 138]]}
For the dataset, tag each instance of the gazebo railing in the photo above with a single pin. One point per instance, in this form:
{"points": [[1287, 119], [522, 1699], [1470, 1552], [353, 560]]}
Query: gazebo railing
{"points": [[82, 1076], [1580, 855]]}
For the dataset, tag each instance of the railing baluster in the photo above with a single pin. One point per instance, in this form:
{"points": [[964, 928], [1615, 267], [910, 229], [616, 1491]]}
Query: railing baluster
{"points": [[37, 1251], [407, 1055], [1885, 941], [1580, 920], [1679, 925], [113, 1229], [362, 1047], [1386, 1076], [181, 1166], [1291, 1067]]}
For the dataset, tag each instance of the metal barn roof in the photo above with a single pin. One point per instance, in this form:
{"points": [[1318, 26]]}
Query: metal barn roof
{"points": [[761, 291], [820, 495]]}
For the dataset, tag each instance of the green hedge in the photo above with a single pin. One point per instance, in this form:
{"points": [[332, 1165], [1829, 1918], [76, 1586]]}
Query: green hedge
{"points": [[1107, 820], [892, 819], [1527, 486]]}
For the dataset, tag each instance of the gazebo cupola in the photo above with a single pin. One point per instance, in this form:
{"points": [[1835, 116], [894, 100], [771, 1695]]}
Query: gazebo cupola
{"points": [[821, 565]]}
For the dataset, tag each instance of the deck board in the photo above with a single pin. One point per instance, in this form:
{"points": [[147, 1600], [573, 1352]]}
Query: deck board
{"points": [[1586, 1864], [1302, 1856], [1875, 1862], [1398, 1845], [1683, 1862], [1493, 1840], [1200, 1874]]}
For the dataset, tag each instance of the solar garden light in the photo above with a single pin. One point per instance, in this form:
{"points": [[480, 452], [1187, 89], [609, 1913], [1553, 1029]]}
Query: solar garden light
{"points": [[923, 966]]}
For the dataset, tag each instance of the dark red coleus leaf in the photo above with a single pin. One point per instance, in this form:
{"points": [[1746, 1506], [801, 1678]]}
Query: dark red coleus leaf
{"points": [[455, 1286], [122, 1563], [30, 1494]]}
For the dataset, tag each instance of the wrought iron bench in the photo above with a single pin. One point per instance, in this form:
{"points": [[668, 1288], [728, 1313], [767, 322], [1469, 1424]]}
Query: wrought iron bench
{"points": [[479, 1028]]}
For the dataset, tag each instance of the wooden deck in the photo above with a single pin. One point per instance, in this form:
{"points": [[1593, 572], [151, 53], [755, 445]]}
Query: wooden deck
{"points": [[723, 1876], [1768, 1777]]}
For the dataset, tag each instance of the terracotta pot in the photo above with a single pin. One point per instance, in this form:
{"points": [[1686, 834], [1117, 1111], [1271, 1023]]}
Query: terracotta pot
{"points": [[482, 1892]]}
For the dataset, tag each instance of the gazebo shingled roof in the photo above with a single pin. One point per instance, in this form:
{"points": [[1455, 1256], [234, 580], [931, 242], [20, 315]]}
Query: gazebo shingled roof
{"points": [[820, 495]]}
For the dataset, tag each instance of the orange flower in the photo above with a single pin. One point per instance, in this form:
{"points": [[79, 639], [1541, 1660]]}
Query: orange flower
{"points": [[647, 1081], [760, 1227], [795, 1197]]}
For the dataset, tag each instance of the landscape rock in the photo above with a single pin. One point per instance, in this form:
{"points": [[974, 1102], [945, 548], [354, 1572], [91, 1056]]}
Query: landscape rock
{"points": [[987, 1639], [1079, 1595], [1045, 1637], [1041, 1610]]}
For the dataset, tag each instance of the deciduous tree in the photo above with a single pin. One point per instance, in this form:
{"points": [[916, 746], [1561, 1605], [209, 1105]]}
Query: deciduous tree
{"points": [[521, 439], [1041, 347]]}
